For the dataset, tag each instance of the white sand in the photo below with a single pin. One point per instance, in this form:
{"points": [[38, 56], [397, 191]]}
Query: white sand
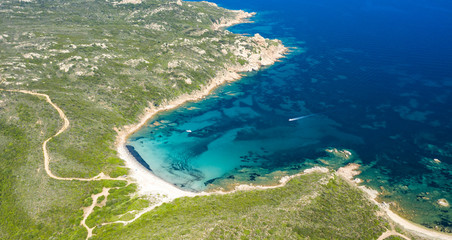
{"points": [[147, 182]]}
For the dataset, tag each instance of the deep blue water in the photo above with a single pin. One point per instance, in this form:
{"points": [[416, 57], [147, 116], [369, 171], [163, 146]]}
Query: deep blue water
{"points": [[376, 77]]}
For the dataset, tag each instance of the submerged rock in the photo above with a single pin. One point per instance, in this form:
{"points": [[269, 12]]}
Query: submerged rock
{"points": [[443, 202]]}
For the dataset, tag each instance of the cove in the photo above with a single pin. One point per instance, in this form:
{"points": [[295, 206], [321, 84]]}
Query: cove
{"points": [[374, 77]]}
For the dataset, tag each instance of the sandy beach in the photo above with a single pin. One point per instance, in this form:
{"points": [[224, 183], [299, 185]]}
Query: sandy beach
{"points": [[147, 182]]}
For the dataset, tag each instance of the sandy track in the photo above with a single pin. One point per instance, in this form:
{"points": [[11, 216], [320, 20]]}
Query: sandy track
{"points": [[66, 123], [101, 176], [392, 233], [148, 183], [347, 172], [154, 184], [88, 210]]}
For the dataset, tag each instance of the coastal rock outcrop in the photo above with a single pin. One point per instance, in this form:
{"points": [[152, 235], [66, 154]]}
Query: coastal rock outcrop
{"points": [[240, 17], [443, 202]]}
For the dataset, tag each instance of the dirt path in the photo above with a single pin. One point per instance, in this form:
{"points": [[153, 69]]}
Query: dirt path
{"points": [[101, 176], [392, 233], [88, 210], [346, 172]]}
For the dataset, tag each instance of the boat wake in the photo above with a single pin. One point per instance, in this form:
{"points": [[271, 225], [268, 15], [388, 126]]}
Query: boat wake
{"points": [[302, 117]]}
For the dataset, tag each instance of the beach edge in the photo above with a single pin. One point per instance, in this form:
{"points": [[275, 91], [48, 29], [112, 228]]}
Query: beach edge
{"points": [[148, 183], [349, 172]]}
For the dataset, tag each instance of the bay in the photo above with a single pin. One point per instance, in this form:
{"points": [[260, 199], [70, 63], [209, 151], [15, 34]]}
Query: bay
{"points": [[371, 83]]}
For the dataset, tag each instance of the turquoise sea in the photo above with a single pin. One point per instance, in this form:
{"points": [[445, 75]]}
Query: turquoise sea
{"points": [[371, 83]]}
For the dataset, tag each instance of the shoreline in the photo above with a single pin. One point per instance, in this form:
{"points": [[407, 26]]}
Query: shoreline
{"points": [[281, 183], [351, 170], [147, 181]]}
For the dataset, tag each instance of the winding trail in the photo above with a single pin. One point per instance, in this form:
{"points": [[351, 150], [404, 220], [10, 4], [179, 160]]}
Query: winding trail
{"points": [[88, 210], [347, 173], [243, 187], [101, 176]]}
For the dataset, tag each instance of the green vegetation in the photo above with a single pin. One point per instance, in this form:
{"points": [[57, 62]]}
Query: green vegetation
{"points": [[394, 238], [103, 64], [34, 206], [314, 206], [118, 204]]}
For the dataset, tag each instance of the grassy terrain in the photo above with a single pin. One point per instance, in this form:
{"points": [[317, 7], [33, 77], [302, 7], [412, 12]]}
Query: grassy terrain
{"points": [[312, 206], [394, 238], [102, 64], [33, 206]]}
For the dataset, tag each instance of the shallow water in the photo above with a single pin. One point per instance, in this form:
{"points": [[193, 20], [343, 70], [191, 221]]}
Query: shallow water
{"points": [[373, 77]]}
